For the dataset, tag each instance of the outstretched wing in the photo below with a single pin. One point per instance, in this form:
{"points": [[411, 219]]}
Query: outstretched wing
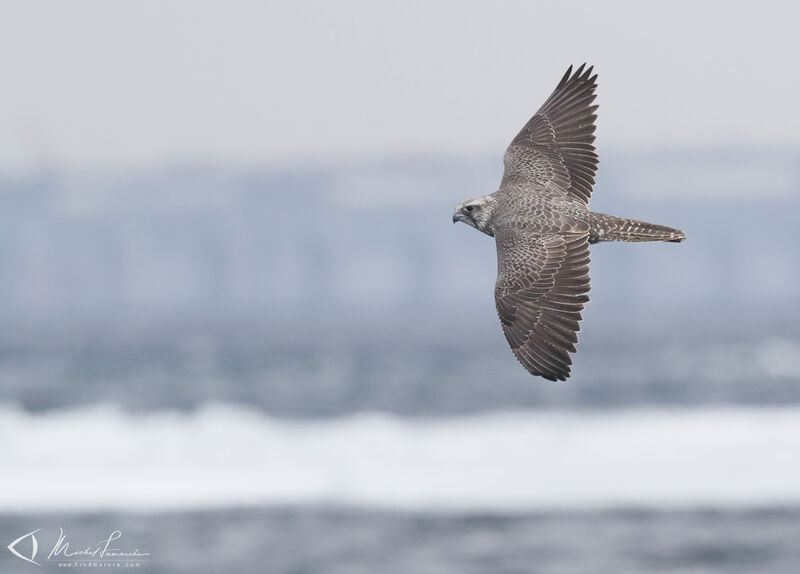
{"points": [[555, 149], [542, 286]]}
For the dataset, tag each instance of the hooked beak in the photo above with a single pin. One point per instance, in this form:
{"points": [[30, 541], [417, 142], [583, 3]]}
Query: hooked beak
{"points": [[456, 217]]}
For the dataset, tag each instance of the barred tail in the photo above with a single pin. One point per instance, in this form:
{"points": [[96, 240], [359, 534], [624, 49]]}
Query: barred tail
{"points": [[610, 228]]}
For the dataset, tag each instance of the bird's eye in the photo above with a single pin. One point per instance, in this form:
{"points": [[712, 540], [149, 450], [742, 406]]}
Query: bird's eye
{"points": [[469, 208]]}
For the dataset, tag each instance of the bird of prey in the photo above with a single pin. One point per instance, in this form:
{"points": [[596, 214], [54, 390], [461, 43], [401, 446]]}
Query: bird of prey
{"points": [[542, 226]]}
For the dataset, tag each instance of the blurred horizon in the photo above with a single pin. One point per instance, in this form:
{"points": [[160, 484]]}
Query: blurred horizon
{"points": [[331, 290], [188, 247]]}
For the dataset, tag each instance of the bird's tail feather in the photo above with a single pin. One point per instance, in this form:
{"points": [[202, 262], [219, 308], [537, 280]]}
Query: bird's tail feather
{"points": [[611, 228]]}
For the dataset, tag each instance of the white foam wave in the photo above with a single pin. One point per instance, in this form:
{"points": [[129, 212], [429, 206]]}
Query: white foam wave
{"points": [[102, 458]]}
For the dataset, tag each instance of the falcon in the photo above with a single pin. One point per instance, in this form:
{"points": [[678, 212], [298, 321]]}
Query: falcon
{"points": [[543, 227]]}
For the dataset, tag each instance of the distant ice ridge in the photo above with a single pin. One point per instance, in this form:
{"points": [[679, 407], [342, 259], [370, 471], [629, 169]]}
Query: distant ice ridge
{"points": [[102, 458]]}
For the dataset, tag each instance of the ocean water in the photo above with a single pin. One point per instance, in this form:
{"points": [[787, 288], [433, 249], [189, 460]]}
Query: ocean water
{"points": [[347, 541], [300, 371], [339, 375], [209, 455]]}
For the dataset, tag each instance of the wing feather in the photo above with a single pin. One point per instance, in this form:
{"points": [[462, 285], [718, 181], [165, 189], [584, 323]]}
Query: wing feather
{"points": [[541, 289], [555, 149]]}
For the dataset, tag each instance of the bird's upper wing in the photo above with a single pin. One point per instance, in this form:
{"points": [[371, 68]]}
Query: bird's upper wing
{"points": [[542, 286], [555, 148]]}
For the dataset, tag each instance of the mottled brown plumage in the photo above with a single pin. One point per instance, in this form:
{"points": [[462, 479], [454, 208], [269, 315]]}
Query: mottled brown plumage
{"points": [[542, 225]]}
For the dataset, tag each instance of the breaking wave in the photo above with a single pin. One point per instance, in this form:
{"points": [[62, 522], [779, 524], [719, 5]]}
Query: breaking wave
{"points": [[104, 458]]}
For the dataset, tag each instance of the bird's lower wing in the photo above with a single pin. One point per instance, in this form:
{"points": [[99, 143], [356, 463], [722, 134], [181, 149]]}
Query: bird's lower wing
{"points": [[542, 286]]}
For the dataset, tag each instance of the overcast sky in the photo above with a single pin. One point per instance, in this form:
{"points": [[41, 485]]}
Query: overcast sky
{"points": [[116, 84]]}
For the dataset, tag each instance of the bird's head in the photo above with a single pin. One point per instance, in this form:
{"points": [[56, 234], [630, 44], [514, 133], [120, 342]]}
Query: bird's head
{"points": [[476, 212]]}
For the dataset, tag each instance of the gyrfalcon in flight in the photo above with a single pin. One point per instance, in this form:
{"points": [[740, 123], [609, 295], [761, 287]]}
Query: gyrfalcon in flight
{"points": [[542, 225]]}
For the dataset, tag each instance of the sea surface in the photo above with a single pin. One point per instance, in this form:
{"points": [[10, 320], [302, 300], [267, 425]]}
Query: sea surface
{"points": [[204, 454], [310, 539], [299, 370]]}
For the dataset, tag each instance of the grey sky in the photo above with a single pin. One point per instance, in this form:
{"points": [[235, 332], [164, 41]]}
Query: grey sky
{"points": [[99, 83]]}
